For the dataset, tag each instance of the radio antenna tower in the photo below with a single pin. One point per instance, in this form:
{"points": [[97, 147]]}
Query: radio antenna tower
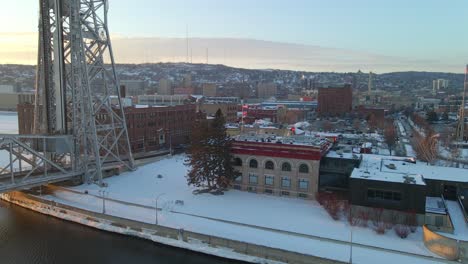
{"points": [[75, 85], [461, 120]]}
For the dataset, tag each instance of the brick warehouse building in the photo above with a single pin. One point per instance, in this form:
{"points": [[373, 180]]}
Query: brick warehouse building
{"points": [[335, 101], [153, 128], [286, 166], [149, 128]]}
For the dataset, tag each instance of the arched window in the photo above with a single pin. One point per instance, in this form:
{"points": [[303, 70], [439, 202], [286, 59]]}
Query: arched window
{"points": [[304, 168], [237, 162], [253, 163], [286, 166], [269, 165]]}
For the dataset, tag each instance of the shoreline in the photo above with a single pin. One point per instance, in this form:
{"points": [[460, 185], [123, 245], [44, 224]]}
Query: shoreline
{"points": [[200, 243]]}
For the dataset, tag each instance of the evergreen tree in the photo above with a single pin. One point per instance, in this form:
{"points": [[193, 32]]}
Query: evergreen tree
{"points": [[431, 116], [209, 155]]}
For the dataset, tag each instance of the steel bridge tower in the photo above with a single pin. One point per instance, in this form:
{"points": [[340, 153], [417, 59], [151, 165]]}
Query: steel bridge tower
{"points": [[461, 120], [77, 91]]}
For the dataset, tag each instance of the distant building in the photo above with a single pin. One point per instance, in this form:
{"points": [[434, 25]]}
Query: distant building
{"points": [[187, 81], [278, 166], [165, 87], [378, 114], [335, 101], [267, 90], [7, 89], [209, 89], [229, 110], [439, 84], [134, 87], [183, 91], [9, 101], [156, 99]]}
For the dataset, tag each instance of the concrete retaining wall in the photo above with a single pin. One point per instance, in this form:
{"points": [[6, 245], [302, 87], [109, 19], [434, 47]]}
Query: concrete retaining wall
{"points": [[143, 230]]}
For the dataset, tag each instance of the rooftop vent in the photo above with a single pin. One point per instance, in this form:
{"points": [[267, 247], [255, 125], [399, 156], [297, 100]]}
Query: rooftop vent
{"points": [[409, 179]]}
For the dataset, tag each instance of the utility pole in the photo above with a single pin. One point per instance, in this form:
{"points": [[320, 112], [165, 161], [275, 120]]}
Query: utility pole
{"points": [[157, 198], [103, 194]]}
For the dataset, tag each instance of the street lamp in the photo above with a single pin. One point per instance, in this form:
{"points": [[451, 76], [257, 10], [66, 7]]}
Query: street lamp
{"points": [[103, 193], [351, 235], [157, 198]]}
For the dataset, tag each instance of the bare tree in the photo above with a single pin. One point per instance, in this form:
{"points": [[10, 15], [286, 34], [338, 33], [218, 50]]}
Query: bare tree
{"points": [[427, 147], [390, 135]]}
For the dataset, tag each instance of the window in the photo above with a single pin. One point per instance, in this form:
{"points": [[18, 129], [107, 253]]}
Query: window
{"points": [[269, 165], [284, 193], [252, 189], [269, 180], [303, 168], [253, 163], [439, 221], [253, 179], [268, 191], [303, 184], [302, 195], [382, 195], [237, 162], [285, 182], [238, 179], [286, 166], [237, 187]]}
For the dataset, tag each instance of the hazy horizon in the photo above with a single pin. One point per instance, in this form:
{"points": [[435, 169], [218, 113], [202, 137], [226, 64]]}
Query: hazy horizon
{"points": [[311, 35], [234, 52]]}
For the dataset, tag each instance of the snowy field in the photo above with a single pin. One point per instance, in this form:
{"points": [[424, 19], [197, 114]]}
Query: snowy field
{"points": [[267, 220], [8, 122], [8, 125]]}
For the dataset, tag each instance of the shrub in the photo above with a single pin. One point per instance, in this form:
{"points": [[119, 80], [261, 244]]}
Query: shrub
{"points": [[402, 230], [364, 218], [379, 228]]}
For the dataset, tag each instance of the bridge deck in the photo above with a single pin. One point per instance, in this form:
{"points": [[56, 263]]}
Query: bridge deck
{"points": [[7, 185]]}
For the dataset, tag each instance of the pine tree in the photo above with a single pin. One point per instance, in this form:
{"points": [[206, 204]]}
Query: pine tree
{"points": [[209, 156]]}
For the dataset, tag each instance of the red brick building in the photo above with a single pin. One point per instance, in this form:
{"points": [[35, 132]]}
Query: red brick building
{"points": [[371, 112], [153, 128], [335, 101], [286, 166], [257, 112], [149, 128]]}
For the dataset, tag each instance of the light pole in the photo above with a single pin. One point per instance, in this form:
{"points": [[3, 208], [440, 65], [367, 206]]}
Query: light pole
{"points": [[351, 235], [103, 193], [157, 198]]}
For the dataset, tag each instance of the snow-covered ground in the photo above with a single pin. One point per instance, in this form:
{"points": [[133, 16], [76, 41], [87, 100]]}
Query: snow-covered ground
{"points": [[8, 125], [8, 122], [233, 214]]}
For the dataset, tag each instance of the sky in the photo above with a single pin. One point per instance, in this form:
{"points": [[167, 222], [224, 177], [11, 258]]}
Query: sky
{"points": [[422, 31]]}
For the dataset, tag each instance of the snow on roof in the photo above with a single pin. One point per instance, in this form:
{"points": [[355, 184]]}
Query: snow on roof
{"points": [[292, 140], [141, 106], [373, 167], [342, 155], [392, 165], [435, 205]]}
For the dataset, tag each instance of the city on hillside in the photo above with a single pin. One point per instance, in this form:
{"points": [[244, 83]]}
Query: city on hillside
{"points": [[218, 162]]}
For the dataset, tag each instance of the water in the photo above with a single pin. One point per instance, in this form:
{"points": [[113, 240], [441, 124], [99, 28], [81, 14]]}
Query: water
{"points": [[32, 238]]}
